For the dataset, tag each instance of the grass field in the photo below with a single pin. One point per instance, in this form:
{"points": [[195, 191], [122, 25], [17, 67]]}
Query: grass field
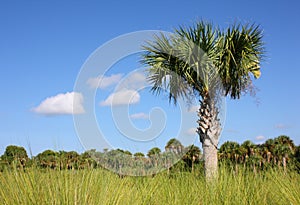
{"points": [[98, 186]]}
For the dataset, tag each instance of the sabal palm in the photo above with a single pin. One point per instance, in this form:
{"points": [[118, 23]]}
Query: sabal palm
{"points": [[285, 140], [192, 155], [230, 151], [153, 151], [203, 61], [270, 146], [284, 147], [174, 145]]}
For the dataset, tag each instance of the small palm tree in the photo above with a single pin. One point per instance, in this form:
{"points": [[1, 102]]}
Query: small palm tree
{"points": [[139, 155], [230, 152], [174, 145], [204, 62], [153, 151], [284, 148], [192, 155], [154, 155], [270, 146]]}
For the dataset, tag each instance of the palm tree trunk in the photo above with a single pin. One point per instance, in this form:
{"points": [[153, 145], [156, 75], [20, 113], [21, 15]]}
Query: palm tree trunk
{"points": [[254, 168], [210, 160], [284, 163], [269, 157], [193, 161], [209, 130]]}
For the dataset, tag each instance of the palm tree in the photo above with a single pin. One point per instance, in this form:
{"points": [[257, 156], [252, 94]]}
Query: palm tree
{"points": [[256, 158], [265, 156], [192, 156], [72, 160], [139, 154], [286, 140], [247, 151], [197, 62], [174, 145], [284, 148], [15, 155], [268, 149], [270, 146], [153, 151], [230, 151], [48, 159], [154, 155], [87, 159], [140, 163]]}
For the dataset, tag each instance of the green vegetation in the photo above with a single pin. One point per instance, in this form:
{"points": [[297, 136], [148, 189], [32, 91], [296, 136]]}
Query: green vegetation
{"points": [[97, 186], [278, 153], [249, 174]]}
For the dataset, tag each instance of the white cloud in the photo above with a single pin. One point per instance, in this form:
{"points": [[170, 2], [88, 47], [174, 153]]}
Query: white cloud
{"points": [[140, 115], [133, 81], [191, 131], [194, 108], [281, 126], [103, 82], [122, 97], [260, 138], [64, 103]]}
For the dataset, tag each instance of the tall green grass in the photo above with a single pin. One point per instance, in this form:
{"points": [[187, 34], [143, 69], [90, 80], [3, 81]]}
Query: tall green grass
{"points": [[35, 186]]}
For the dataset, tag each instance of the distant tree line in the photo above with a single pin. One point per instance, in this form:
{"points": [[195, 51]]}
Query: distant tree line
{"points": [[279, 153]]}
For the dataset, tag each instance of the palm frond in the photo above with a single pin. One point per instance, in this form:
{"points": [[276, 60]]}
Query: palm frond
{"points": [[196, 59], [242, 50]]}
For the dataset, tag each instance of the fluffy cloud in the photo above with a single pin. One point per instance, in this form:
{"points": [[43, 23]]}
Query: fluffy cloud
{"points": [[103, 82], [133, 81], [123, 97], [260, 138], [194, 108], [127, 87], [281, 126], [65, 103], [191, 131], [140, 115]]}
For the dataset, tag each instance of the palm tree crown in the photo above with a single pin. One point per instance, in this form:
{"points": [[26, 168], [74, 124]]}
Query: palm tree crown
{"points": [[188, 56]]}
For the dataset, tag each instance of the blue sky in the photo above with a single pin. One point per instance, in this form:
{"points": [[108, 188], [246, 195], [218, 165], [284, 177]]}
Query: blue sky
{"points": [[43, 46]]}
